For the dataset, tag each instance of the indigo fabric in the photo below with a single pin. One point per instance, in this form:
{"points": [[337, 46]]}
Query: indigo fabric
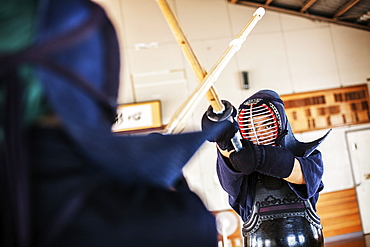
{"points": [[76, 183]]}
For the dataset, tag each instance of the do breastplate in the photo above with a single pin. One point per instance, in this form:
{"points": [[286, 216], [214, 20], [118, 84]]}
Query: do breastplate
{"points": [[280, 217]]}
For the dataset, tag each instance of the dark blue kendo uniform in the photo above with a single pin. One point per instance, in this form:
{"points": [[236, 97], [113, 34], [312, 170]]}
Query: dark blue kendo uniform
{"points": [[243, 193], [275, 212], [71, 182]]}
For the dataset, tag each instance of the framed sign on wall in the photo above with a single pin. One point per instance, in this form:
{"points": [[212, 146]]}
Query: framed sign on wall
{"points": [[138, 117]]}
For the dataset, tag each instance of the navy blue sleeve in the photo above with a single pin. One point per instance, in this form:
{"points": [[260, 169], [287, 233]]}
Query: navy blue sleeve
{"points": [[230, 180], [239, 187], [312, 169]]}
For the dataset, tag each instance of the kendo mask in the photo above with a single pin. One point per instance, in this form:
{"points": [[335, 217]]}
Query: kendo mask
{"points": [[263, 121], [262, 118]]}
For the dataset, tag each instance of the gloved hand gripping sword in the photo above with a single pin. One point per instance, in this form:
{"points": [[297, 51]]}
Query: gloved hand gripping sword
{"points": [[218, 110]]}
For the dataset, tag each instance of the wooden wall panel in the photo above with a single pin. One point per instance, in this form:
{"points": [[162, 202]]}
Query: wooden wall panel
{"points": [[326, 109], [339, 212]]}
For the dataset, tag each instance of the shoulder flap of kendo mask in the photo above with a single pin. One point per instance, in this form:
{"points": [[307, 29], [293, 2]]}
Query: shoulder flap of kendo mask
{"points": [[302, 149]]}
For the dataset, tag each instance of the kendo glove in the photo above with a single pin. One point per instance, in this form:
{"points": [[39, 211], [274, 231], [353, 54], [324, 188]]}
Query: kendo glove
{"points": [[221, 131], [269, 160]]}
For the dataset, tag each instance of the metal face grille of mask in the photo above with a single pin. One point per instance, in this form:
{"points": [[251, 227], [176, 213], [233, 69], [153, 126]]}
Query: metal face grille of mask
{"points": [[258, 124]]}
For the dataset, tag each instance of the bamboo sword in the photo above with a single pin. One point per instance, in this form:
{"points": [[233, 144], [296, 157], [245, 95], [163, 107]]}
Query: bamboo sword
{"points": [[178, 121]]}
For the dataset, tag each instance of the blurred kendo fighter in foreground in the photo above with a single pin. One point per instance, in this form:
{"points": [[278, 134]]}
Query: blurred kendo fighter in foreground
{"points": [[274, 181], [65, 179]]}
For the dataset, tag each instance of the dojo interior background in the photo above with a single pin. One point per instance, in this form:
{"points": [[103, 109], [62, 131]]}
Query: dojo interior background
{"points": [[286, 53]]}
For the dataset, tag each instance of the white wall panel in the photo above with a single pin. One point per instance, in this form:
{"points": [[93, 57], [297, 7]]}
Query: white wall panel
{"points": [[352, 49], [125, 93], [144, 23], [264, 57], [200, 23], [311, 59], [163, 57]]}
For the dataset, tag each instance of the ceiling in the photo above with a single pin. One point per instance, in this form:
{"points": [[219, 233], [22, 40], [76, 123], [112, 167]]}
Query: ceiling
{"points": [[351, 13]]}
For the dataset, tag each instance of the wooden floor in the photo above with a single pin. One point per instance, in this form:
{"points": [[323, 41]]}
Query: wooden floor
{"points": [[339, 213], [358, 240]]}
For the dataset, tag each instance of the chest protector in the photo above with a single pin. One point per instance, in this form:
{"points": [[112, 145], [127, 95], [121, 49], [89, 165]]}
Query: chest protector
{"points": [[281, 218]]}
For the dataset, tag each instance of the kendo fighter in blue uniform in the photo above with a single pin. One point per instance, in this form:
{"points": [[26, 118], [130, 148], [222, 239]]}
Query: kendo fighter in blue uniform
{"points": [[65, 178], [274, 181]]}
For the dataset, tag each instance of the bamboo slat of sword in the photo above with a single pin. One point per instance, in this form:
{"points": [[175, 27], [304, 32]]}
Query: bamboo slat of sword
{"points": [[178, 122], [200, 72]]}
